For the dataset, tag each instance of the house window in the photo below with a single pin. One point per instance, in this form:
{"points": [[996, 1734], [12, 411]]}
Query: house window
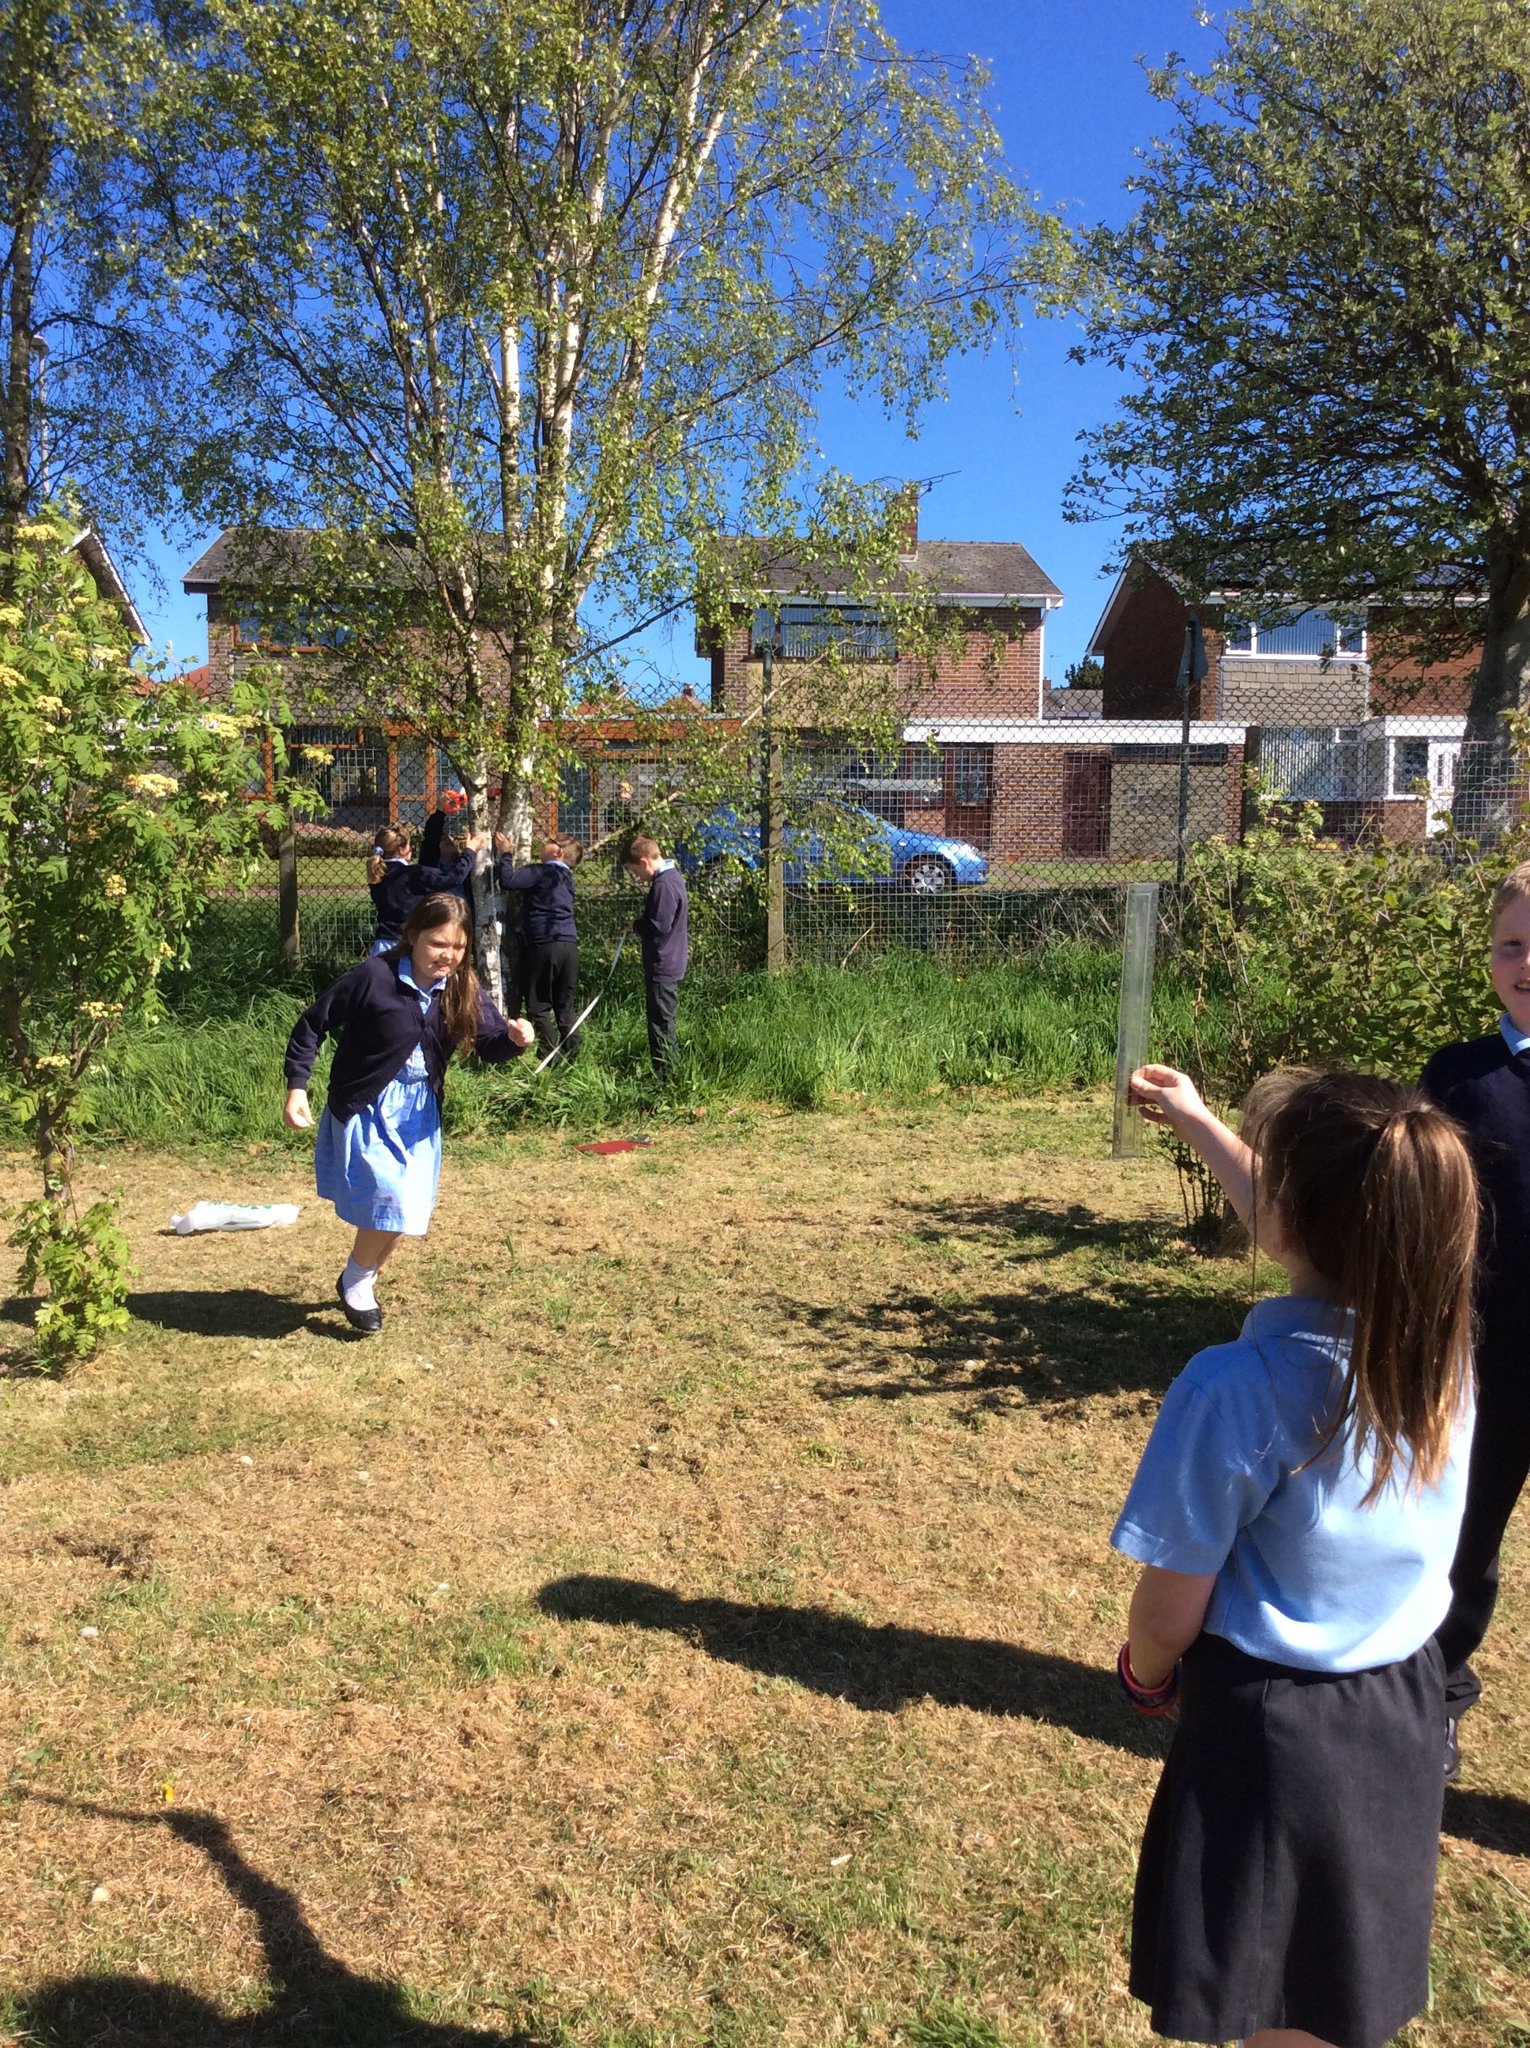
{"points": [[1311, 635], [855, 632], [1312, 763], [1410, 764], [971, 774], [291, 628]]}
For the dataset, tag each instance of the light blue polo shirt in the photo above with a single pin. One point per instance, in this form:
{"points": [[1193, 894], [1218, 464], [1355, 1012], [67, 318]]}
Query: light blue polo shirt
{"points": [[1516, 1040], [1305, 1575]]}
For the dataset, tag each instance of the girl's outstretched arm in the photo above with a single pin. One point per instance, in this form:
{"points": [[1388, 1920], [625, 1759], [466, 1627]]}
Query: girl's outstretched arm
{"points": [[1166, 1096], [1167, 1611]]}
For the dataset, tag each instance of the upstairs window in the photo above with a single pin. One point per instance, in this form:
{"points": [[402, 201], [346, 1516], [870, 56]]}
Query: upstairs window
{"points": [[855, 632], [1312, 635], [291, 628]]}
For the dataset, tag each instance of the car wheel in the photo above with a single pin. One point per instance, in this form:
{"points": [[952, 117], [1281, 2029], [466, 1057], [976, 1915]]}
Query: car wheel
{"points": [[927, 876]]}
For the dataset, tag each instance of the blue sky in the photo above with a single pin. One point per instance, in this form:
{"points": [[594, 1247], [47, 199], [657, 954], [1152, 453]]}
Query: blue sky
{"points": [[1072, 103]]}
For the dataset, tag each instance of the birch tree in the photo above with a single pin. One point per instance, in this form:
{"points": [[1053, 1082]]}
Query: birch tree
{"points": [[88, 375], [523, 303], [1322, 302]]}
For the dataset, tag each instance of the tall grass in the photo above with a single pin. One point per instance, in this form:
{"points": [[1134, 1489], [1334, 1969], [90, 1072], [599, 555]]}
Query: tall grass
{"points": [[897, 1029]]}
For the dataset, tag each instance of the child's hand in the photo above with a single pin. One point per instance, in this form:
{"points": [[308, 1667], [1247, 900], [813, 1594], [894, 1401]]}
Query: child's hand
{"points": [[477, 842], [521, 1032], [296, 1114], [1166, 1096], [503, 843]]}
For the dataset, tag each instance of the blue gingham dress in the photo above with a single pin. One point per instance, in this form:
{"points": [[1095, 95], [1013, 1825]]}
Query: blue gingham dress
{"points": [[381, 1167]]}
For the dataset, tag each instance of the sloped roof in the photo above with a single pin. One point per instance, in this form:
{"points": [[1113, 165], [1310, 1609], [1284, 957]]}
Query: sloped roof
{"points": [[94, 553], [967, 571], [282, 555]]}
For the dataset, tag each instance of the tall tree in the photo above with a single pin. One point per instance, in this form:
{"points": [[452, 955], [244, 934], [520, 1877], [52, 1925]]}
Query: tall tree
{"points": [[86, 372], [1323, 303], [523, 300]]}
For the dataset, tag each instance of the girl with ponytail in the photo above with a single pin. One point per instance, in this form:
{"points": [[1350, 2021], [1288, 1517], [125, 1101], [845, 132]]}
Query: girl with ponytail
{"points": [[1295, 1513]]}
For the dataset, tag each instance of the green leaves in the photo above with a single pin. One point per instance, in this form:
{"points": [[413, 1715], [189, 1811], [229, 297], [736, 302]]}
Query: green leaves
{"points": [[1324, 307], [122, 809]]}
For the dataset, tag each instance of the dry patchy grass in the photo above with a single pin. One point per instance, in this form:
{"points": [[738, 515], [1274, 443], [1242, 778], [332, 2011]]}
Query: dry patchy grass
{"points": [[689, 1622]]}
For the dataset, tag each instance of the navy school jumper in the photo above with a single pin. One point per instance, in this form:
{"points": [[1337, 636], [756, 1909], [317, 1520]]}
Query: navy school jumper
{"points": [[1486, 1088], [378, 1023], [402, 885]]}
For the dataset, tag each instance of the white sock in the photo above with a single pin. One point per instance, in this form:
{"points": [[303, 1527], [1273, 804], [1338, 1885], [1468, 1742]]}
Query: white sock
{"points": [[356, 1284]]}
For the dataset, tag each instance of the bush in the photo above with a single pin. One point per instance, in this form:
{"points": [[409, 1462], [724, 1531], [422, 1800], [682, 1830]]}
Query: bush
{"points": [[1301, 951]]}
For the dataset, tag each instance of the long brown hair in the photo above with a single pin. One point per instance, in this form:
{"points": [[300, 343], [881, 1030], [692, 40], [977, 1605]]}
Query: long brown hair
{"points": [[1375, 1187], [460, 1000], [392, 842]]}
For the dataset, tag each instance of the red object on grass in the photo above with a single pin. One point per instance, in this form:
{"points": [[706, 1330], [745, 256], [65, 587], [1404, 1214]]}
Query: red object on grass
{"points": [[605, 1146]]}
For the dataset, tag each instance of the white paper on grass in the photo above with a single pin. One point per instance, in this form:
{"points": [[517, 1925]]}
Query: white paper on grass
{"points": [[234, 1216]]}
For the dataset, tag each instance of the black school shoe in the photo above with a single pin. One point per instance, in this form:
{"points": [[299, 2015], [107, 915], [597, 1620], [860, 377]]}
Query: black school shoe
{"points": [[1452, 1748], [367, 1320]]}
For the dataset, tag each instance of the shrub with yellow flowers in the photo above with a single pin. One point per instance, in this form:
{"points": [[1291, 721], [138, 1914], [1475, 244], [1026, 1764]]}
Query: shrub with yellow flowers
{"points": [[124, 807]]}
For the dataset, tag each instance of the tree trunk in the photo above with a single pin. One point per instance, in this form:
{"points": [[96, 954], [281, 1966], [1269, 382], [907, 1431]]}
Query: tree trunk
{"points": [[55, 1155], [483, 890], [1484, 801], [16, 410]]}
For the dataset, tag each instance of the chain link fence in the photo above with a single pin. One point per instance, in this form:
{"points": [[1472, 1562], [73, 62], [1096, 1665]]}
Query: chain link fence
{"points": [[969, 840]]}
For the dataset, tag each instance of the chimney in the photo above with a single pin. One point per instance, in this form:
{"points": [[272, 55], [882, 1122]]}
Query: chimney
{"points": [[905, 519]]}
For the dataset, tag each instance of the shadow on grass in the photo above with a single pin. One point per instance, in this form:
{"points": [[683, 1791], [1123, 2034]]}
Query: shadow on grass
{"points": [[315, 1999], [875, 1669], [235, 1312], [1493, 1820], [1125, 1323]]}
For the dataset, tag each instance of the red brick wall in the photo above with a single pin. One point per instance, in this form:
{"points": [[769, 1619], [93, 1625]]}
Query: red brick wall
{"points": [[1142, 655], [1403, 682], [1029, 784], [992, 671]]}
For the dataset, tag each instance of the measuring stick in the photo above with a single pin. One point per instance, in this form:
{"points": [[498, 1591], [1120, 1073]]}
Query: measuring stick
{"points": [[1136, 1009]]}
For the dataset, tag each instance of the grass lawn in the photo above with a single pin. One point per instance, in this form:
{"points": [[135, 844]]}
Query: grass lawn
{"points": [[689, 1622]]}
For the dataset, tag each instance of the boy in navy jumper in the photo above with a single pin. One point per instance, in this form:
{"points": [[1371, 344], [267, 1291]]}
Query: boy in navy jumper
{"points": [[550, 944], [1485, 1085], [663, 925]]}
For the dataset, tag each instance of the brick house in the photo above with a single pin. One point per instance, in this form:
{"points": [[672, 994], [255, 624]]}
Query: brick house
{"points": [[379, 769], [1339, 708], [975, 763]]}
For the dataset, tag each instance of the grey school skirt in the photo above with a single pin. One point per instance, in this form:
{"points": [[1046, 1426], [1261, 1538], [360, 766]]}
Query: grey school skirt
{"points": [[1287, 1871]]}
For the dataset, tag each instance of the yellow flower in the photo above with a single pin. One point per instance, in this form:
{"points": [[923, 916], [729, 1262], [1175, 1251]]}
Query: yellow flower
{"points": [[51, 705], [52, 1060], [114, 888], [96, 1012], [221, 726], [152, 785], [11, 678], [10, 614]]}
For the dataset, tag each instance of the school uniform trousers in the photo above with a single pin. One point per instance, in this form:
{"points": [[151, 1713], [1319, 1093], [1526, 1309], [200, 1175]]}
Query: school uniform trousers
{"points": [[551, 974], [1500, 1466]]}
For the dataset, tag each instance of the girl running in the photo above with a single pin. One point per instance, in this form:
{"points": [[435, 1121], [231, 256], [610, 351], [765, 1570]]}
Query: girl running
{"points": [[397, 1016]]}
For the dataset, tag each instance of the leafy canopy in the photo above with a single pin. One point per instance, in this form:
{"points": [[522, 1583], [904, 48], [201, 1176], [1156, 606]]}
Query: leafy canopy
{"points": [[1322, 305], [551, 288]]}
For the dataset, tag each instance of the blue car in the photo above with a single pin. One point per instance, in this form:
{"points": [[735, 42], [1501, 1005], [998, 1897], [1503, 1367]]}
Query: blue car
{"points": [[920, 862]]}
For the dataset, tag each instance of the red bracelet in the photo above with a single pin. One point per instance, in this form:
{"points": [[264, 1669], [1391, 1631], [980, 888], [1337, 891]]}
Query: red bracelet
{"points": [[1152, 1700]]}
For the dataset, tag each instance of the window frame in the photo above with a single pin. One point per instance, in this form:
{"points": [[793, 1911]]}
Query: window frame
{"points": [[1235, 632]]}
